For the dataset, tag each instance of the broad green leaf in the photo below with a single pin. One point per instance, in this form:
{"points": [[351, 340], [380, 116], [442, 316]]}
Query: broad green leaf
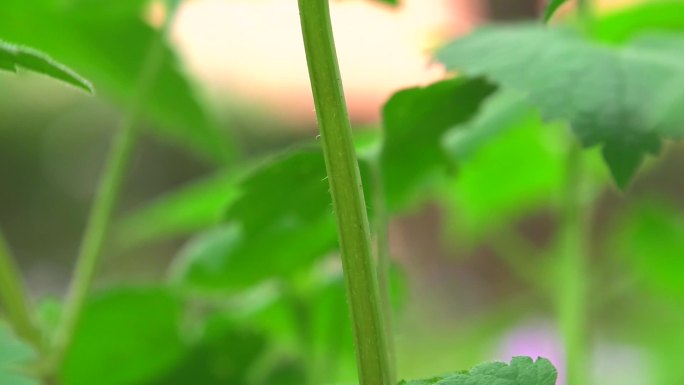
{"points": [[110, 49], [14, 355], [521, 371], [651, 238], [197, 206], [624, 24], [281, 222], [224, 354], [202, 204], [415, 121], [506, 142], [551, 8], [126, 336], [15, 56], [599, 90]]}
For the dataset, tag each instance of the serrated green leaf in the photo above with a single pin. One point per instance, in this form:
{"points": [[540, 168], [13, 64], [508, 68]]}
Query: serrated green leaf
{"points": [[110, 49], [599, 90], [551, 8], [415, 121], [14, 354], [521, 371], [134, 330], [281, 222], [14, 56]]}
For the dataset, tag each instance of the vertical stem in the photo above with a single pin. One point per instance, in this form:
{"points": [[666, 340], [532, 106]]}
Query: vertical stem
{"points": [[14, 298], [92, 244], [346, 191], [573, 277], [585, 14], [384, 263]]}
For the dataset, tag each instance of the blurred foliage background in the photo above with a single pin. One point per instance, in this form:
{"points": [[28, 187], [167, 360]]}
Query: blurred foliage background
{"points": [[473, 246]]}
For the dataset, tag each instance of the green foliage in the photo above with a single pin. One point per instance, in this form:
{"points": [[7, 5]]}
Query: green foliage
{"points": [[551, 8], [650, 238], [624, 24], [14, 355], [108, 46], [194, 207], [283, 215], [14, 56], [598, 90], [134, 330], [521, 371], [415, 121], [487, 151], [224, 354]]}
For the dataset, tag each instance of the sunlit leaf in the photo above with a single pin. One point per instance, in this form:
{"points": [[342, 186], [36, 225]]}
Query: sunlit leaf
{"points": [[15, 56], [14, 355], [488, 151], [599, 90], [125, 336], [415, 121], [625, 23], [651, 238], [521, 371]]}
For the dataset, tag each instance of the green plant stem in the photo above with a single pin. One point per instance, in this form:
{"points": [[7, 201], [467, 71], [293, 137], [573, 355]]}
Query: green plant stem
{"points": [[384, 263], [14, 298], [92, 245], [347, 195], [585, 14], [573, 274]]}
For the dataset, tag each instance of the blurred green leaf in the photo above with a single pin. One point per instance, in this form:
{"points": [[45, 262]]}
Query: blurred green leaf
{"points": [[14, 56], [197, 206], [551, 8], [202, 204], [599, 90], [290, 372], [624, 24], [14, 354], [415, 121], [488, 151], [109, 48], [521, 371], [126, 336], [651, 238], [281, 222], [391, 2], [223, 355]]}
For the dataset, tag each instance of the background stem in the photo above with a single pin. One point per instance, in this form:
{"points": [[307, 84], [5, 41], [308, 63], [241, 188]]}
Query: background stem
{"points": [[384, 262], [573, 277], [14, 298], [347, 194], [92, 245]]}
